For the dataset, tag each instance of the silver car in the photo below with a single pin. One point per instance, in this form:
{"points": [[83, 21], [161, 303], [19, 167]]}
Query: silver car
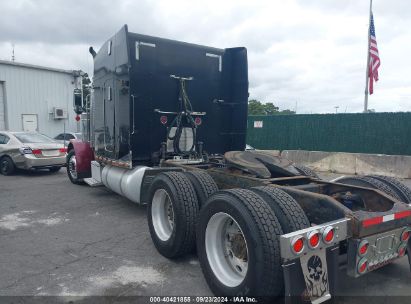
{"points": [[29, 150], [248, 147], [64, 138]]}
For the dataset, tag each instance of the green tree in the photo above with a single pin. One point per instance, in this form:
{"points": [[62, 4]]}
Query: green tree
{"points": [[284, 112], [270, 108], [255, 107]]}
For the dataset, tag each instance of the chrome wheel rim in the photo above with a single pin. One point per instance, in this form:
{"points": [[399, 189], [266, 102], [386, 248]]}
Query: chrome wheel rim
{"points": [[72, 167], [226, 249], [162, 214]]}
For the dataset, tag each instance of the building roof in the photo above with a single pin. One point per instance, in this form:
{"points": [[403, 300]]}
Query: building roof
{"points": [[37, 67]]}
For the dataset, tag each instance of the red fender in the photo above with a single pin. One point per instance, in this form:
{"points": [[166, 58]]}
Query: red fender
{"points": [[84, 156]]}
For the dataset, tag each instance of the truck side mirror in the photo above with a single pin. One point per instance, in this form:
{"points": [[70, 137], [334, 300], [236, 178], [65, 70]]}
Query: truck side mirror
{"points": [[77, 104]]}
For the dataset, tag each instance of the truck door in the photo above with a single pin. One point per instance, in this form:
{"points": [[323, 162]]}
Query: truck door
{"points": [[143, 98]]}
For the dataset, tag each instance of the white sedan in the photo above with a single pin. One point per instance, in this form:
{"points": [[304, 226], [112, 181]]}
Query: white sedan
{"points": [[64, 138], [30, 150]]}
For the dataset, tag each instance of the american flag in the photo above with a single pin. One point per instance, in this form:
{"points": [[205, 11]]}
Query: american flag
{"points": [[374, 63]]}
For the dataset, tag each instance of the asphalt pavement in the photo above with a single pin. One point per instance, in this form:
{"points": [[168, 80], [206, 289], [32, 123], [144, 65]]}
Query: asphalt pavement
{"points": [[60, 239]]}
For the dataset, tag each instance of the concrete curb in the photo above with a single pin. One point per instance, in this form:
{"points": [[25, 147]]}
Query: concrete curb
{"points": [[352, 163]]}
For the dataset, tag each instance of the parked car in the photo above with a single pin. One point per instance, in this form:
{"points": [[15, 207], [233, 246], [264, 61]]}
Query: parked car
{"points": [[30, 150], [64, 138]]}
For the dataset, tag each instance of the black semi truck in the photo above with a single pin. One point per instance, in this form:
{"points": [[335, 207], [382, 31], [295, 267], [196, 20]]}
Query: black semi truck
{"points": [[166, 127]]}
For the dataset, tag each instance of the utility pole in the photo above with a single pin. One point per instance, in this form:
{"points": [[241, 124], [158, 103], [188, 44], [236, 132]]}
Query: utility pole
{"points": [[336, 109], [368, 63], [82, 99], [12, 53]]}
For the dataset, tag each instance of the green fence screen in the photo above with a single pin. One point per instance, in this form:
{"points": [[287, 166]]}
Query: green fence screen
{"points": [[381, 133]]}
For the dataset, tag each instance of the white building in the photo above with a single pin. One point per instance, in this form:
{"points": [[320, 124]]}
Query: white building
{"points": [[35, 98]]}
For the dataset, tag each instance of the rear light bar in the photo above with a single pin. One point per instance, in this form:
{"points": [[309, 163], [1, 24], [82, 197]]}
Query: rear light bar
{"points": [[362, 266], [297, 244], [376, 250], [363, 248], [328, 235], [386, 218], [36, 151], [405, 235], [63, 150], [313, 238]]}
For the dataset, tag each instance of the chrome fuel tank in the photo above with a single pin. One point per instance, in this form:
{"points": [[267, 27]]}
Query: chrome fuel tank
{"points": [[125, 182]]}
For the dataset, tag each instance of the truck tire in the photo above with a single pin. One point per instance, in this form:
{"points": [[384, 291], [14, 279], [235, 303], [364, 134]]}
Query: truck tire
{"points": [[71, 168], [402, 190], [172, 214], [7, 166], [306, 171], [364, 181], [288, 212], [238, 245], [204, 185]]}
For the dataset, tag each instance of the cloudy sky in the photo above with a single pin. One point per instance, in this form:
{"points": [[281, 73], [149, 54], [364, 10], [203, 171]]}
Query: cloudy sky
{"points": [[308, 55]]}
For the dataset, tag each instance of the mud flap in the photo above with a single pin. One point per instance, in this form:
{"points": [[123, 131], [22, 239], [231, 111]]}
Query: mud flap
{"points": [[298, 290], [315, 271], [312, 274]]}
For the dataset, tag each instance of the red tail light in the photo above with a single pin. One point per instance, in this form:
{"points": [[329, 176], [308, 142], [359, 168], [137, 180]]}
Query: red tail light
{"points": [[401, 251], [313, 239], [405, 235], [362, 266], [63, 150], [363, 248], [163, 119], [197, 121], [36, 151], [297, 244], [328, 235]]}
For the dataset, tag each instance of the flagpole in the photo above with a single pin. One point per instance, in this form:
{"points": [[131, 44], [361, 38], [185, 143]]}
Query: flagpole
{"points": [[368, 63]]}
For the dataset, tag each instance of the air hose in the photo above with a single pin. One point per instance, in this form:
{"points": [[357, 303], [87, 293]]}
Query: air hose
{"points": [[185, 113]]}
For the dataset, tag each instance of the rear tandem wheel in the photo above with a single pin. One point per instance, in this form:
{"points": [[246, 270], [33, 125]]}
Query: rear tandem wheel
{"points": [[238, 245], [203, 184], [365, 181], [289, 213], [172, 213], [402, 190], [304, 170]]}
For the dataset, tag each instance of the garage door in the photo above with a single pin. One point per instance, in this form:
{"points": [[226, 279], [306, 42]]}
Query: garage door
{"points": [[2, 114]]}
